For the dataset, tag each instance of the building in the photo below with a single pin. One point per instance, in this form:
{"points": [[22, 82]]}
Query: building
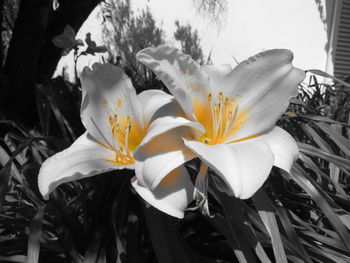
{"points": [[338, 31]]}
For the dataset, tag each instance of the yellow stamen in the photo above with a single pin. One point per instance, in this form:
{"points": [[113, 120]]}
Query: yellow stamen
{"points": [[221, 97], [227, 101], [220, 117], [210, 97]]}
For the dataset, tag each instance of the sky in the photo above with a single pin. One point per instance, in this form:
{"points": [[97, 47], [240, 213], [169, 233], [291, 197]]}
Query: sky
{"points": [[251, 26]]}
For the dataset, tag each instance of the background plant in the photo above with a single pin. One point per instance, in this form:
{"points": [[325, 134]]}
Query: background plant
{"points": [[301, 217]]}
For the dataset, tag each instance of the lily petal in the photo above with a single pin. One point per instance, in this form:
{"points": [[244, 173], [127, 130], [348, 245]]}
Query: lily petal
{"points": [[179, 72], [151, 101], [84, 158], [283, 147], [262, 86], [244, 165], [167, 123], [172, 195], [161, 155], [107, 90], [216, 75]]}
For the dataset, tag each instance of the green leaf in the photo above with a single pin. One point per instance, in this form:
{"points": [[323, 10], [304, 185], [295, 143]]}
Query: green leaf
{"points": [[308, 187], [291, 233], [267, 214], [94, 253], [35, 230], [317, 138], [311, 165], [4, 179], [314, 151], [167, 244], [236, 224], [322, 119], [15, 258], [326, 75], [342, 142]]}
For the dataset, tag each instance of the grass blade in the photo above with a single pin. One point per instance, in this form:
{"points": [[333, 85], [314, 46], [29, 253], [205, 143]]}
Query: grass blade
{"points": [[267, 214], [35, 230], [321, 202], [326, 75], [291, 233], [341, 141], [314, 151]]}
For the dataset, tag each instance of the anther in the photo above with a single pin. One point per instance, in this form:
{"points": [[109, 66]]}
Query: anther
{"points": [[206, 140], [110, 120], [210, 97], [221, 97], [227, 101], [127, 130], [216, 108]]}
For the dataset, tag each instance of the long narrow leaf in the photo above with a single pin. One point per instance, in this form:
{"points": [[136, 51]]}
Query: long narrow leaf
{"points": [[314, 151], [342, 142], [324, 74], [35, 230], [323, 204], [291, 233], [267, 214]]}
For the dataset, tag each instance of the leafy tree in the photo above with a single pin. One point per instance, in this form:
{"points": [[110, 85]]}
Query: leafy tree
{"points": [[213, 10], [126, 33], [8, 13], [189, 40]]}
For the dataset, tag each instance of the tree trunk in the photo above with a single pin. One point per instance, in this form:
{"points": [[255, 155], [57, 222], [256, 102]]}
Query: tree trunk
{"points": [[32, 55], [21, 62], [1, 29]]}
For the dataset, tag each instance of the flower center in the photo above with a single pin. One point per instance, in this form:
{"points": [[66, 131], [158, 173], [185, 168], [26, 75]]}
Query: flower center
{"points": [[127, 134], [121, 131], [220, 117]]}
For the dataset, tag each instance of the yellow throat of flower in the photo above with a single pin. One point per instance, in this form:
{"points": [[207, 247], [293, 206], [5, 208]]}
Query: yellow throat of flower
{"points": [[220, 117], [127, 135]]}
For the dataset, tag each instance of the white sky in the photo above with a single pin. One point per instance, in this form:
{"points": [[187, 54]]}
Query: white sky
{"points": [[251, 26]]}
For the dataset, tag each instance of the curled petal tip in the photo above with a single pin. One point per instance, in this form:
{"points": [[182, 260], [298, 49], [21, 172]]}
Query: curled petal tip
{"points": [[97, 66], [86, 72]]}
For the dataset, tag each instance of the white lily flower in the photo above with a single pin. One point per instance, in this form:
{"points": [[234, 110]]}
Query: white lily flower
{"points": [[117, 120], [237, 109]]}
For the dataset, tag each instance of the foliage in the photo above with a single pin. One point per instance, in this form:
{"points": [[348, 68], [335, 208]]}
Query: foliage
{"points": [[189, 40], [299, 217], [9, 13], [302, 217], [215, 10], [126, 33]]}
